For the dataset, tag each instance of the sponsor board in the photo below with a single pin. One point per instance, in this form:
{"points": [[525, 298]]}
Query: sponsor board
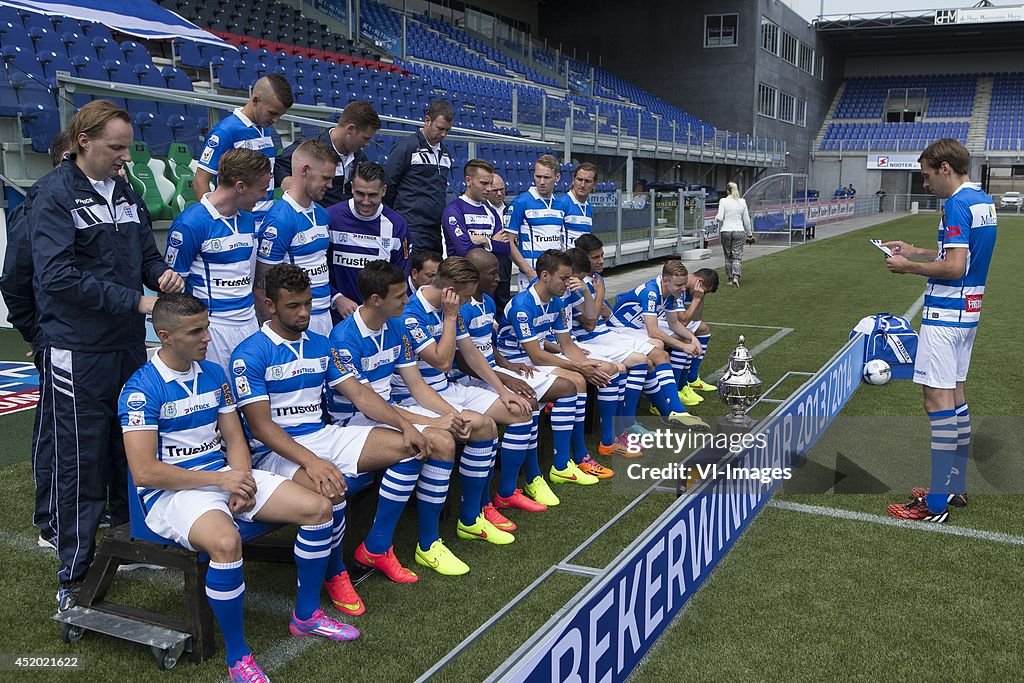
{"points": [[19, 387]]}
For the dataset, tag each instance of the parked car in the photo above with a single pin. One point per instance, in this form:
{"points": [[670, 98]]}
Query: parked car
{"points": [[1010, 199]]}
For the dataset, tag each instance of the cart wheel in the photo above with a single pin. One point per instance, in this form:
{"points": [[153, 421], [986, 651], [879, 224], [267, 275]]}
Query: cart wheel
{"points": [[71, 634], [167, 658]]}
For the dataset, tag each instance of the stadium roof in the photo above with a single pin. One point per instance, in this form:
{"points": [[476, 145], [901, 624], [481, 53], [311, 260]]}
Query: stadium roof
{"points": [[919, 32]]}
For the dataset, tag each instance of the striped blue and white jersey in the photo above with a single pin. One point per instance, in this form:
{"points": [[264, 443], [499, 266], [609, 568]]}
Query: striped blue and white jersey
{"points": [[578, 220], [574, 306], [968, 222], [214, 255], [293, 234], [423, 323], [372, 355], [182, 407], [646, 300], [290, 375], [236, 131], [528, 318], [478, 317], [537, 225]]}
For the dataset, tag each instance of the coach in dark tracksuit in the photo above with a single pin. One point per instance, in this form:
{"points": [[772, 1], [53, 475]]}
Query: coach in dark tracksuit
{"points": [[92, 251], [417, 177]]}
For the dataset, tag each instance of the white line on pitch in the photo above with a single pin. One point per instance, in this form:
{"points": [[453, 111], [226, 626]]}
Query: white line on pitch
{"points": [[964, 532], [756, 327], [782, 332], [914, 308]]}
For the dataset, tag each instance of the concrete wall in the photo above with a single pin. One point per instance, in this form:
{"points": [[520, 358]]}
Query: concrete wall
{"points": [[955, 63]]}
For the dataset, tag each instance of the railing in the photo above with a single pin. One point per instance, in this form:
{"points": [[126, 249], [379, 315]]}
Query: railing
{"points": [[1012, 145], [864, 145]]}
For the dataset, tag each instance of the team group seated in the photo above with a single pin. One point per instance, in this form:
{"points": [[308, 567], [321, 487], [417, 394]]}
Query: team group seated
{"points": [[314, 352]]}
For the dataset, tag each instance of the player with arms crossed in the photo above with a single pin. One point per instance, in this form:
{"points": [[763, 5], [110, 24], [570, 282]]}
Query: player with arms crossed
{"points": [[191, 465], [956, 274], [536, 221], [279, 377]]}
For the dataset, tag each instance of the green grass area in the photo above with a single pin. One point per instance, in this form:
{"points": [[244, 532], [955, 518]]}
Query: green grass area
{"points": [[801, 597]]}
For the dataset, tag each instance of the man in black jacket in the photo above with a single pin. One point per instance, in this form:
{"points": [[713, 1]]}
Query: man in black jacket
{"points": [[356, 126], [92, 251], [417, 177]]}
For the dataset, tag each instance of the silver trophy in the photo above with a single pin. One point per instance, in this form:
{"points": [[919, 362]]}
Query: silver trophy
{"points": [[740, 388]]}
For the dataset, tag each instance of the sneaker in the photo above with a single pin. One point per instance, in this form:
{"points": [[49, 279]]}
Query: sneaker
{"points": [[918, 511], [572, 474], [654, 411], [246, 670], [689, 397], [700, 385], [957, 500], [322, 625], [595, 469], [608, 451], [67, 595], [539, 490], [499, 520], [520, 502], [633, 448], [441, 560], [639, 429], [343, 595], [483, 530], [386, 563], [687, 420], [48, 543]]}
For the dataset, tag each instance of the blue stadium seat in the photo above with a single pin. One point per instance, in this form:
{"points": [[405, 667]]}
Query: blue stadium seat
{"points": [[41, 123]]}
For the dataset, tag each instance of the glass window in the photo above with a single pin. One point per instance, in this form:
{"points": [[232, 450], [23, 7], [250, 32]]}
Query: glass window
{"points": [[769, 36], [766, 100], [807, 58], [787, 107], [801, 112], [720, 30], [789, 45]]}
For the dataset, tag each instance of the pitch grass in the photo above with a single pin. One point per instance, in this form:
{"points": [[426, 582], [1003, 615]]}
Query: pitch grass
{"points": [[895, 600]]}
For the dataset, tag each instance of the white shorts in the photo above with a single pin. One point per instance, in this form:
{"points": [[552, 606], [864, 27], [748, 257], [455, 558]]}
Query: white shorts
{"points": [[224, 338], [540, 382], [174, 512], [691, 326], [615, 347], [637, 335], [321, 323], [360, 420], [340, 445], [464, 397], [943, 355]]}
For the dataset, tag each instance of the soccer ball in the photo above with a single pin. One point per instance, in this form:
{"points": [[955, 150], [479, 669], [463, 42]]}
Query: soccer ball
{"points": [[877, 371]]}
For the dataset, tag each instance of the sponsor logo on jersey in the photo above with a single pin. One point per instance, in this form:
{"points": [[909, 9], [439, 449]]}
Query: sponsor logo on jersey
{"points": [[238, 366], [185, 451], [952, 231], [237, 282], [242, 386], [136, 418], [136, 400], [973, 302], [175, 239], [207, 153], [213, 140], [226, 393], [171, 256], [298, 410]]}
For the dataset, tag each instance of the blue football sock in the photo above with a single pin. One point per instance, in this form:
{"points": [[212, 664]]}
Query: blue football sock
{"points": [[631, 397], [430, 495], [225, 589], [473, 469], [531, 464], [944, 438], [335, 565], [696, 360], [485, 494], [395, 489], [680, 361], [958, 473], [312, 548], [608, 405], [579, 445], [563, 415], [669, 389], [514, 445]]}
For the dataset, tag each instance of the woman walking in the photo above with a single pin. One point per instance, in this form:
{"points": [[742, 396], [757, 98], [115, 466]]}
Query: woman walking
{"points": [[734, 220]]}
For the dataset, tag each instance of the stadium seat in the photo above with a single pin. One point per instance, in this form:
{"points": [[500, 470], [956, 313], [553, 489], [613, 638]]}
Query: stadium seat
{"points": [[155, 189], [41, 124]]}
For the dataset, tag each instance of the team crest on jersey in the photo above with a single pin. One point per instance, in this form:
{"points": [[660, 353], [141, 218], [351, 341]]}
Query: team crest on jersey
{"points": [[169, 410], [226, 393], [136, 400], [242, 386], [136, 418], [418, 335], [385, 242], [215, 246], [301, 238], [277, 372], [323, 363]]}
